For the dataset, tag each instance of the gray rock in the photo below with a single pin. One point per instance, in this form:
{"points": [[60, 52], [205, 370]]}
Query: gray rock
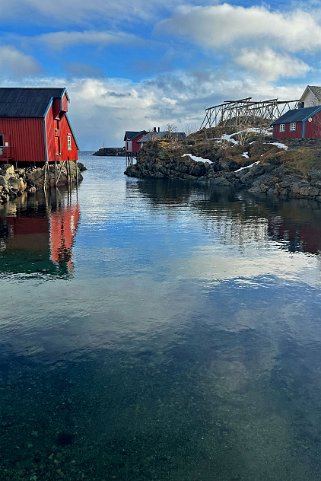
{"points": [[14, 183], [3, 181], [7, 171]]}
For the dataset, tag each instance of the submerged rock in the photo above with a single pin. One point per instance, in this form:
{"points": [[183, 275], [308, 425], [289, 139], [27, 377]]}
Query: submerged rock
{"points": [[65, 439]]}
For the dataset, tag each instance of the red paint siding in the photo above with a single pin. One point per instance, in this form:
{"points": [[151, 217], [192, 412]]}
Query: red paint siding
{"points": [[313, 129], [64, 104], [135, 145], [57, 133], [38, 139], [56, 108], [60, 105], [50, 134], [287, 134], [25, 138], [65, 130]]}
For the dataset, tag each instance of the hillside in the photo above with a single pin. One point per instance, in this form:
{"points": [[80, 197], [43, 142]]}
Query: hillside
{"points": [[248, 158]]}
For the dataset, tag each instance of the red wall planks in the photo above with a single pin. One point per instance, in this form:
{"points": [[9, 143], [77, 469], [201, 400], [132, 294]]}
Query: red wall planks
{"points": [[25, 138]]}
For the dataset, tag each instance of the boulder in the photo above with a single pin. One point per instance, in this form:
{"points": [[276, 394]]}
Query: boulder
{"points": [[3, 181], [14, 183], [7, 170]]}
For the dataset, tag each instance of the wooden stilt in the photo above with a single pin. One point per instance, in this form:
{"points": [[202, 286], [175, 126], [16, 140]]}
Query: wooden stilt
{"points": [[45, 176], [77, 176], [68, 174], [56, 174]]}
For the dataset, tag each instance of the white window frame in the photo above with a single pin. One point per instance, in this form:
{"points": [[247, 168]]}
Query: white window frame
{"points": [[293, 126], [282, 127], [69, 142]]}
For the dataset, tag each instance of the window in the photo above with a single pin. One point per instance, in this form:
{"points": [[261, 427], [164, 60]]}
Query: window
{"points": [[1, 144], [282, 127], [69, 141], [293, 126]]}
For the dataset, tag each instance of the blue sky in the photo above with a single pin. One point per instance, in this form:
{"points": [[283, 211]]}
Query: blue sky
{"points": [[131, 65]]}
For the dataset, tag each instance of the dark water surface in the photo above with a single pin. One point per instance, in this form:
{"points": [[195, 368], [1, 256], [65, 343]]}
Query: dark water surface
{"points": [[159, 331]]}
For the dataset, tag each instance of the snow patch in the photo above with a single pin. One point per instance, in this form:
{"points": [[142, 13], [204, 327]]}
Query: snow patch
{"points": [[259, 131], [229, 138], [198, 159], [246, 155], [278, 144], [248, 166]]}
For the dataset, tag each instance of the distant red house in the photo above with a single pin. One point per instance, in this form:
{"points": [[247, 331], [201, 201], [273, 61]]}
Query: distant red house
{"points": [[34, 126], [131, 142], [302, 123]]}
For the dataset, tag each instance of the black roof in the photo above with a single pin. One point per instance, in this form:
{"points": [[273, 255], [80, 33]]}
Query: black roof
{"points": [[162, 135], [297, 115], [27, 102], [131, 135]]}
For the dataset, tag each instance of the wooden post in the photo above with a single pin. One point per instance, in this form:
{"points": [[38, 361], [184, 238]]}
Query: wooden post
{"points": [[45, 177], [56, 175], [68, 175]]}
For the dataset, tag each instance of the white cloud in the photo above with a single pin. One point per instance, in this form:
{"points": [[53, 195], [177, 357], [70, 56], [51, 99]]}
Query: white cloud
{"points": [[80, 12], [62, 39], [270, 65], [102, 109], [15, 63], [223, 25]]}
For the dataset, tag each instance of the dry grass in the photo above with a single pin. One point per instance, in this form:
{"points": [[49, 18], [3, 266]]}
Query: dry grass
{"points": [[303, 159], [299, 158]]}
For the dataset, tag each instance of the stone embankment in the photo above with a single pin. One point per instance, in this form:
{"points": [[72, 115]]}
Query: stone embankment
{"points": [[111, 152], [15, 181], [260, 165]]}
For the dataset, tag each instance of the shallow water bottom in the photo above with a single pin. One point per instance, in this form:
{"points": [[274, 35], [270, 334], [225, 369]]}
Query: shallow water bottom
{"points": [[159, 332]]}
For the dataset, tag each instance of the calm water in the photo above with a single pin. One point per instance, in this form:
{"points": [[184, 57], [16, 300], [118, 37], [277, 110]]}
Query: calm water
{"points": [[159, 331]]}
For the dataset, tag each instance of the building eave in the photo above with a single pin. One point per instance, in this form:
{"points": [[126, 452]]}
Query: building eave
{"points": [[312, 114]]}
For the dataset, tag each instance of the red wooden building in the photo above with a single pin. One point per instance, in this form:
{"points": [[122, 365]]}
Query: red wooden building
{"points": [[302, 123], [131, 142], [34, 126]]}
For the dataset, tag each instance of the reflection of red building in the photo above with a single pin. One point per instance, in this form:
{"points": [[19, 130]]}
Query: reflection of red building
{"points": [[27, 233], [63, 226], [298, 237], [38, 243]]}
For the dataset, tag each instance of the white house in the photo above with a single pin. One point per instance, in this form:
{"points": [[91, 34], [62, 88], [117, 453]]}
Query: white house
{"points": [[311, 97]]}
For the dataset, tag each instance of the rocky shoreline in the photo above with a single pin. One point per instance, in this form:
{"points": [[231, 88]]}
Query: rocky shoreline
{"points": [[110, 152], [15, 181], [258, 165]]}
